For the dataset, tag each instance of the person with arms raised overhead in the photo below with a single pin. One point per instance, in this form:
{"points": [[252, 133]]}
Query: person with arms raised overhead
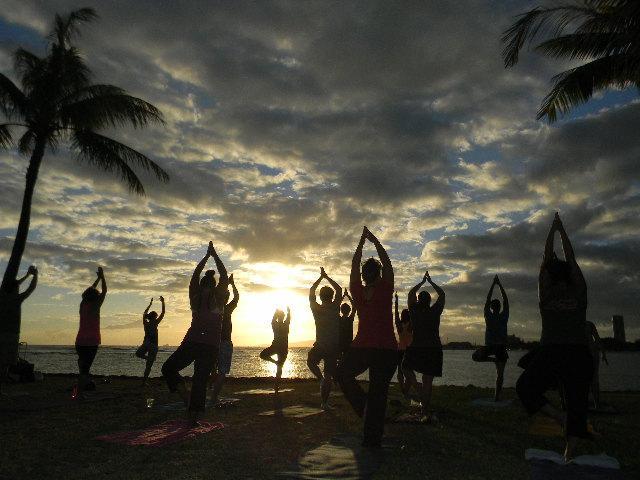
{"points": [[405, 337], [327, 345], [347, 315], [280, 345], [202, 341], [374, 347], [563, 357], [495, 335], [424, 355], [10, 318], [149, 348], [88, 338], [226, 345]]}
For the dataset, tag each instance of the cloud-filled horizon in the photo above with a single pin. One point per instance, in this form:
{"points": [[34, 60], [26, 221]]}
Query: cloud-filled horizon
{"points": [[290, 125]]}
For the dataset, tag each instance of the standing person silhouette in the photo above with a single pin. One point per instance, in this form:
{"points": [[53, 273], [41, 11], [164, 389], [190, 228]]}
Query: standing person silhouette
{"points": [[88, 337], [202, 341], [226, 345], [280, 344], [374, 347], [347, 315], [149, 349], [424, 355], [11, 317], [563, 357], [405, 337], [327, 345], [495, 336]]}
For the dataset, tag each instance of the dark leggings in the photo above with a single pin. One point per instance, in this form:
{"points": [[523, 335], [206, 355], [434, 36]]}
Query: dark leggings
{"points": [[204, 358], [567, 366], [86, 355], [381, 364]]}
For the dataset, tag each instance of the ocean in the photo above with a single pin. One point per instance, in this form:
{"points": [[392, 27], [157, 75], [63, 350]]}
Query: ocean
{"points": [[623, 372]]}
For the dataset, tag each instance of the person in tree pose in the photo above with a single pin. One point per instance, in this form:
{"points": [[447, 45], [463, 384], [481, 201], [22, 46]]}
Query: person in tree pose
{"points": [[88, 338], [424, 355], [405, 336], [327, 345], [374, 347], [202, 341], [563, 357], [280, 345], [495, 336], [347, 315], [226, 345], [149, 348]]}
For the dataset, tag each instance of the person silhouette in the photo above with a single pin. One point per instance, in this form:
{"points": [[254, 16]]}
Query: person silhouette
{"points": [[563, 357], [226, 345], [597, 350], [88, 338], [11, 307], [374, 348], [202, 340], [495, 336], [424, 355], [280, 345], [347, 316], [405, 337], [327, 345], [149, 349]]}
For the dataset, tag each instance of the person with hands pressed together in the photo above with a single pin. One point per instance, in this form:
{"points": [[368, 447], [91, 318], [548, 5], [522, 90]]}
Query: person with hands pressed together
{"points": [[225, 353], [405, 337], [374, 347], [280, 345], [347, 316], [149, 348]]}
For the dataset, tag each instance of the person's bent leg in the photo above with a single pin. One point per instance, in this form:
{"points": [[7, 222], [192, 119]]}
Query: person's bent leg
{"points": [[330, 368], [152, 353], [382, 367], [534, 382], [313, 362], [181, 358], [267, 355], [481, 355], [499, 380], [354, 363], [141, 352]]}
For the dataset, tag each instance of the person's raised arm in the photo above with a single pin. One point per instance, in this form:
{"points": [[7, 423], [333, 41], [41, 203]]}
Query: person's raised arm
{"points": [[32, 286], [505, 299], [162, 311], [412, 297], [438, 289], [357, 259], [146, 311], [387, 268], [223, 278], [24, 277], [195, 278], [236, 296], [599, 344], [567, 248], [396, 311], [548, 246], [288, 319], [313, 302], [336, 288], [103, 286], [487, 304]]}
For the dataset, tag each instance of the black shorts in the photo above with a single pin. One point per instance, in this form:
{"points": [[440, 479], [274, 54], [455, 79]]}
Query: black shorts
{"points": [[328, 355], [491, 353], [86, 355], [425, 360]]}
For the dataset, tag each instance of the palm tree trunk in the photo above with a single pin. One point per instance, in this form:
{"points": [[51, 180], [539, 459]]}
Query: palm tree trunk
{"points": [[11, 273]]}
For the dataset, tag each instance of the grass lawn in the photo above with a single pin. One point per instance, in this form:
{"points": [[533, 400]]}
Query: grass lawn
{"points": [[46, 435]]}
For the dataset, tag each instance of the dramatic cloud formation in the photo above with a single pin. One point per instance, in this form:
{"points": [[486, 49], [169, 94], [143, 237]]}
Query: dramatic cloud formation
{"points": [[292, 124]]}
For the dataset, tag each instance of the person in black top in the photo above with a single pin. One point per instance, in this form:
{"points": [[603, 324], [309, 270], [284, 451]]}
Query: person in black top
{"points": [[563, 357], [226, 345], [347, 315], [405, 336], [424, 355], [495, 336], [280, 345], [149, 348]]}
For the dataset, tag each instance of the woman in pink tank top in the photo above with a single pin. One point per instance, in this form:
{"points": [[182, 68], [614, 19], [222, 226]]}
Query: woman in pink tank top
{"points": [[88, 337]]}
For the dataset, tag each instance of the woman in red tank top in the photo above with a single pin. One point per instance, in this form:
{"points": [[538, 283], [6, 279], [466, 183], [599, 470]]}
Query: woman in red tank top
{"points": [[88, 337]]}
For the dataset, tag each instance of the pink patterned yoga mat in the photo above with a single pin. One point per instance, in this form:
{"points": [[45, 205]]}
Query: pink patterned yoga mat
{"points": [[166, 433]]}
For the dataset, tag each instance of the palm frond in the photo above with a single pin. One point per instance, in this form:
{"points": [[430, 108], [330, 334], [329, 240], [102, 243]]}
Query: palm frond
{"points": [[109, 106], [65, 27], [113, 156], [12, 100], [29, 67], [538, 22], [585, 46], [576, 86], [5, 136], [26, 142]]}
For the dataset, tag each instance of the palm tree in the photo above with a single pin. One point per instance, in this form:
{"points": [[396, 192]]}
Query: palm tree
{"points": [[605, 34], [58, 103]]}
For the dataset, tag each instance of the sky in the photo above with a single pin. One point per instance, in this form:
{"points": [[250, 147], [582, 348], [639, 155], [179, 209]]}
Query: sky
{"points": [[289, 126]]}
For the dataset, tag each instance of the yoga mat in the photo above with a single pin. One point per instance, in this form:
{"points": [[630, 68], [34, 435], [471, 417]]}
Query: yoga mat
{"points": [[166, 433], [490, 402], [169, 407], [292, 411], [548, 465], [341, 458], [547, 427], [605, 409], [263, 391], [415, 418], [97, 397], [224, 403]]}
